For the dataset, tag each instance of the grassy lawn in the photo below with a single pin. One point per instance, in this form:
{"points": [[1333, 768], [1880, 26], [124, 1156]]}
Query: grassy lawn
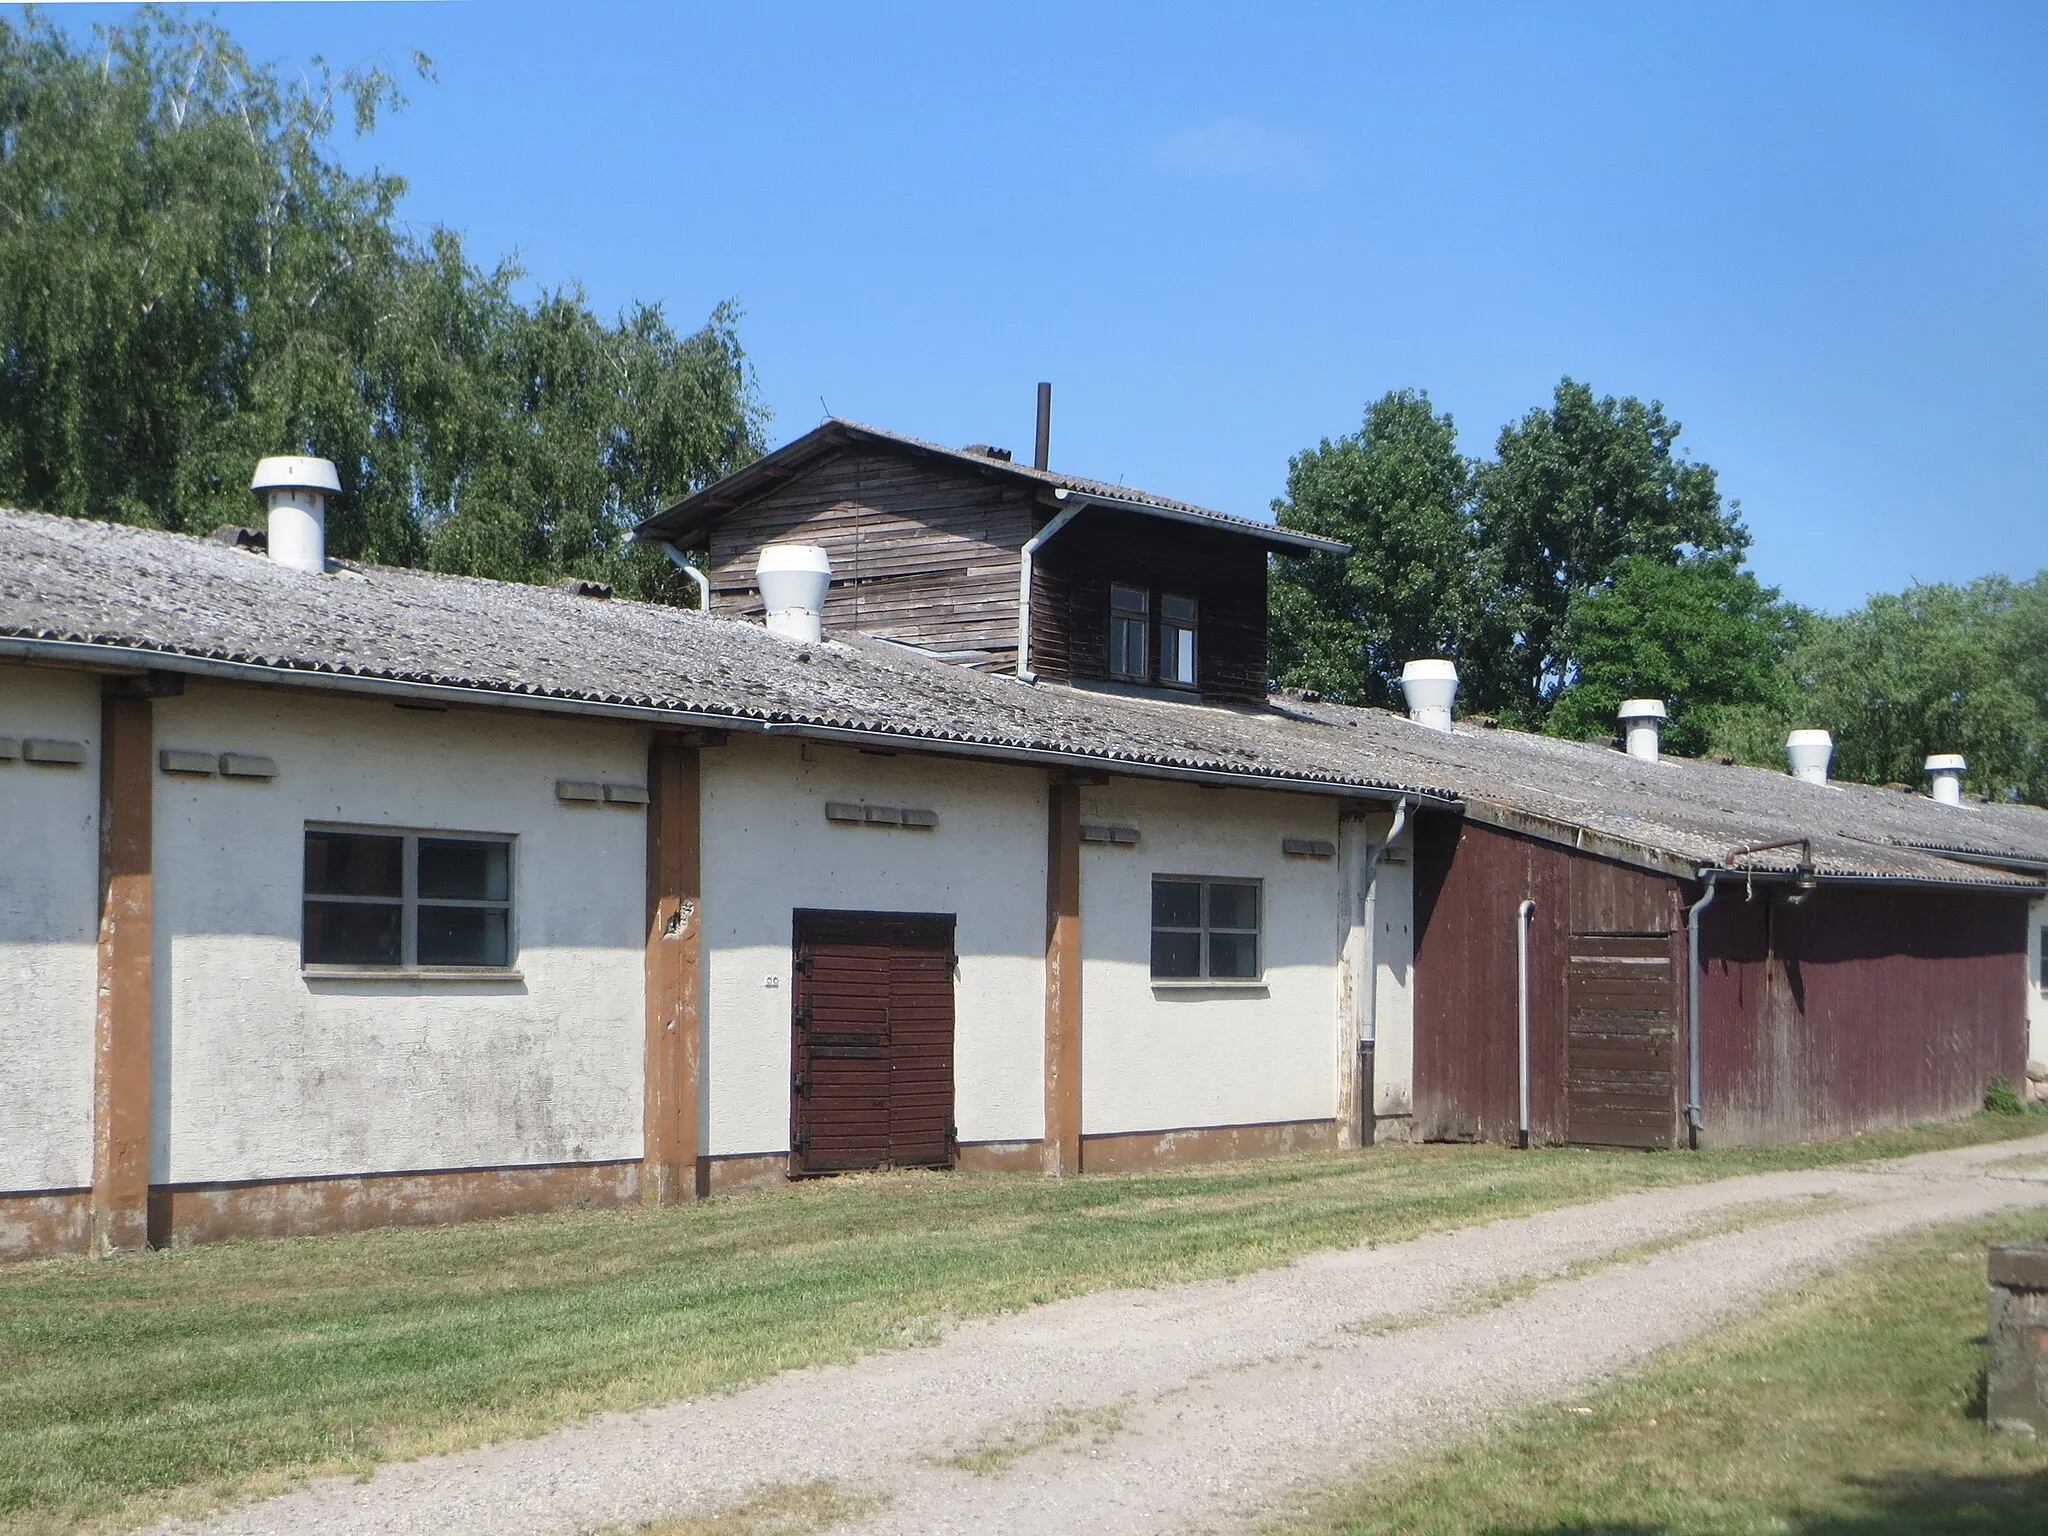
{"points": [[1850, 1407], [166, 1382]]}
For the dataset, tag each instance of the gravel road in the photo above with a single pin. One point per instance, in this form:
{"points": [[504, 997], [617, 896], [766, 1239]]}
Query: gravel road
{"points": [[1200, 1407]]}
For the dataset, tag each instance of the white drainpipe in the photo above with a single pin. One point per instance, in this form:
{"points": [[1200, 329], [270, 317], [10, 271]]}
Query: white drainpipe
{"points": [[1692, 1008], [1523, 914], [681, 562], [1367, 979], [1032, 546]]}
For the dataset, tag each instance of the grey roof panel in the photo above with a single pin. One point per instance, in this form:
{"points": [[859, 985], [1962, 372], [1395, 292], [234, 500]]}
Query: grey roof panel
{"points": [[172, 596]]}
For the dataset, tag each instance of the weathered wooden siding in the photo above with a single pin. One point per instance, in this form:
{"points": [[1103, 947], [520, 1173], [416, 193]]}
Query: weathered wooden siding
{"points": [[921, 556], [1224, 573], [1856, 1009], [1469, 882]]}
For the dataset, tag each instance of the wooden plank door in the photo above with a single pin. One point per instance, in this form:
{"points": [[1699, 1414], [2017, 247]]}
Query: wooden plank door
{"points": [[872, 1041], [1621, 1041]]}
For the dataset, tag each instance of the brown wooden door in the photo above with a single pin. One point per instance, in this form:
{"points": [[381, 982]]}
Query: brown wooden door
{"points": [[872, 1041], [1621, 1041]]}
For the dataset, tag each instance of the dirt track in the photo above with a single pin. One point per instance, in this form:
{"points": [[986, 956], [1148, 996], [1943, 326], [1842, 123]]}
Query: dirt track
{"points": [[1197, 1407]]}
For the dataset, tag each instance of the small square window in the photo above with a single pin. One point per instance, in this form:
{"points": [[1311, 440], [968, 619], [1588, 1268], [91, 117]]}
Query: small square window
{"points": [[1130, 611], [406, 900], [1205, 929]]}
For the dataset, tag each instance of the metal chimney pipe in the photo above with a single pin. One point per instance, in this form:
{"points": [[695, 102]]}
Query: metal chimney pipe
{"points": [[1947, 771], [1640, 726], [294, 491], [1041, 456]]}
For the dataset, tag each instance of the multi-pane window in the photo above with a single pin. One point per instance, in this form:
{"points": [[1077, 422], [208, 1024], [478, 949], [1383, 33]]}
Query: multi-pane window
{"points": [[408, 900], [1204, 929], [1177, 640], [1130, 611]]}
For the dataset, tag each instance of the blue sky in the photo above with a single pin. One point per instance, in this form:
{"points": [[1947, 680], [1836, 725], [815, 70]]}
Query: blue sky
{"points": [[1815, 232]]}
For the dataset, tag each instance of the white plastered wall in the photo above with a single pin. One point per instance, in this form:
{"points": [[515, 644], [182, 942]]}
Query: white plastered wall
{"points": [[768, 850], [1157, 1058], [262, 1072], [2037, 983], [49, 904]]}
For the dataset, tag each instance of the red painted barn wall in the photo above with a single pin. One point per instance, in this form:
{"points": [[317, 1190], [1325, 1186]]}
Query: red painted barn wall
{"points": [[1469, 880], [1856, 1009]]}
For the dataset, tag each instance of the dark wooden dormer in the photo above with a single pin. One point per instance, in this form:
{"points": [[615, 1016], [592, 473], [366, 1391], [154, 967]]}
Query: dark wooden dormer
{"points": [[1128, 591]]}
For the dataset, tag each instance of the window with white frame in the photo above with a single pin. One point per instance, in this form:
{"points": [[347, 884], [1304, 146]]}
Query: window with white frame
{"points": [[407, 900], [1204, 930], [1177, 640], [1130, 613]]}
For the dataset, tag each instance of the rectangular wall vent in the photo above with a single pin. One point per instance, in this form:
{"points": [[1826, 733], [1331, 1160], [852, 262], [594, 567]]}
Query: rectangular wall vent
{"points": [[1308, 848], [40, 749], [578, 792], [246, 765], [625, 794], [852, 813], [179, 760], [1106, 832], [10, 748]]}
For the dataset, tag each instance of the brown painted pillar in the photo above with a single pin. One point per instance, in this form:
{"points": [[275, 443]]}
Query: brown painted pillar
{"points": [[121, 1033], [1063, 980], [674, 973]]}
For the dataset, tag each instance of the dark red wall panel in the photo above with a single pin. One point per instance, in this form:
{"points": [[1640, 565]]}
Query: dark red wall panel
{"points": [[1856, 1009]]}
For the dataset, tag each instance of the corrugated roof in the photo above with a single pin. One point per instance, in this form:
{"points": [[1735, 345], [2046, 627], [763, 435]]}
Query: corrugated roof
{"points": [[175, 600], [686, 516]]}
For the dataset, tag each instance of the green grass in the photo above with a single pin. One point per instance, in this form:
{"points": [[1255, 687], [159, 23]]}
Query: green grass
{"points": [[164, 1382], [1850, 1407]]}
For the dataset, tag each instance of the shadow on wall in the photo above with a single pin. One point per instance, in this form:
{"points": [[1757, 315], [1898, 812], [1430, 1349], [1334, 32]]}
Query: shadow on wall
{"points": [[1895, 1505]]}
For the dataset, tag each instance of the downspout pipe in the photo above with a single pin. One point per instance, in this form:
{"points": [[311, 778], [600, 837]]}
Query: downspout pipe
{"points": [[1030, 551], [681, 562], [1368, 978], [1523, 915], [1692, 1008]]}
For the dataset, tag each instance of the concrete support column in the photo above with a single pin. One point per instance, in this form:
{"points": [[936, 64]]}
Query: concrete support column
{"points": [[674, 970], [1063, 979], [122, 1022]]}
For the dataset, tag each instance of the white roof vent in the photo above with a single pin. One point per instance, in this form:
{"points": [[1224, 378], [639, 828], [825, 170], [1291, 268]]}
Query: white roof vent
{"points": [[1641, 722], [1430, 687], [794, 579], [295, 490], [1947, 770], [1808, 752]]}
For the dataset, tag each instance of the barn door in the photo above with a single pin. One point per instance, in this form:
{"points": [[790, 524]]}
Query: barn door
{"points": [[1621, 1041], [872, 1041]]}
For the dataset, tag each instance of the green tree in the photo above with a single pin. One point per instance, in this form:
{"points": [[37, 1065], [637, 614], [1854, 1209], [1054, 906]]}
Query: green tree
{"points": [[190, 279], [1702, 635], [1399, 492], [1936, 668], [1575, 492]]}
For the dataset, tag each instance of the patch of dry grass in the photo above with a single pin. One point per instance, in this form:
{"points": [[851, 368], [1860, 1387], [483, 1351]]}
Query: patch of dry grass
{"points": [[789, 1509]]}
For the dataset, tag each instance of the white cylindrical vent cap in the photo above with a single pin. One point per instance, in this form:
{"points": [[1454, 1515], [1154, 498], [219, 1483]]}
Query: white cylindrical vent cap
{"points": [[1640, 725], [294, 490], [1808, 752], [794, 579], [1430, 686], [1947, 769]]}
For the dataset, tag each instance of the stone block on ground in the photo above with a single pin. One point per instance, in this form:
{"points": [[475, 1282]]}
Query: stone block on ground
{"points": [[2016, 1378]]}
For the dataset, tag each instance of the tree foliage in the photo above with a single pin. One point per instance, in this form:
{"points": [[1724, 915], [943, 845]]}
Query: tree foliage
{"points": [[191, 279], [1574, 494], [1936, 668], [1399, 492], [1588, 562]]}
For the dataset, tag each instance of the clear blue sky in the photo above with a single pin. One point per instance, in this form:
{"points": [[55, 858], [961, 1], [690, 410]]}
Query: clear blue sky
{"points": [[1816, 232]]}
